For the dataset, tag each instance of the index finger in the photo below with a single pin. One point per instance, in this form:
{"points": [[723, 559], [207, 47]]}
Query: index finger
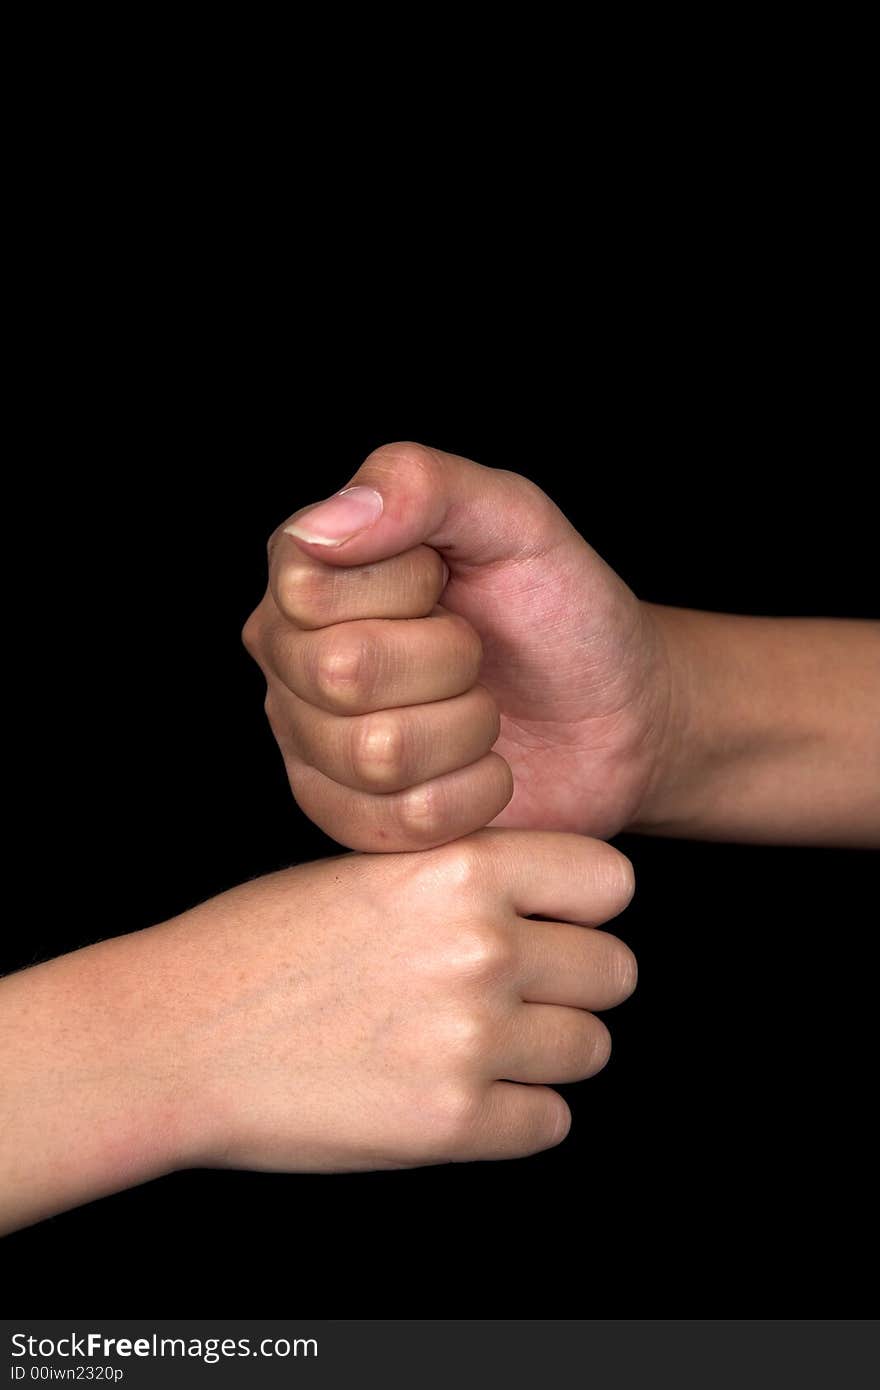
{"points": [[562, 876], [311, 594]]}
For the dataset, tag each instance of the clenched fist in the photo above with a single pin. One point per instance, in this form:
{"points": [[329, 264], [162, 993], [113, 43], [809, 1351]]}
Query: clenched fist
{"points": [[369, 1011], [443, 650], [386, 1011]]}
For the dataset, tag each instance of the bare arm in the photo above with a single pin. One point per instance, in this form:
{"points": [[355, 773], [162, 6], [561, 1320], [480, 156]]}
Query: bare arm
{"points": [[773, 730], [91, 1084]]}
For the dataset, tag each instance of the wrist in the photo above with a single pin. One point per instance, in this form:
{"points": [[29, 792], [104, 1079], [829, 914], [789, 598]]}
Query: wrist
{"points": [[159, 1014], [671, 718], [96, 1100]]}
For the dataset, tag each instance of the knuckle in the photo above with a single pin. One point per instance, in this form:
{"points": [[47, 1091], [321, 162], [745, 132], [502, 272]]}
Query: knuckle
{"points": [[340, 668], [378, 753], [469, 1036], [420, 812], [413, 465], [485, 952], [462, 865], [525, 485], [539, 505], [299, 591], [451, 1119], [251, 633]]}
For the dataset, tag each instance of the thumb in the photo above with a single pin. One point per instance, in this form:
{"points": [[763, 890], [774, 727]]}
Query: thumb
{"points": [[407, 494]]}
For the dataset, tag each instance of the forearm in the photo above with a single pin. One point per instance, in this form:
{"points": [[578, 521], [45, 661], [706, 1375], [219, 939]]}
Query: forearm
{"points": [[772, 731], [92, 1094]]}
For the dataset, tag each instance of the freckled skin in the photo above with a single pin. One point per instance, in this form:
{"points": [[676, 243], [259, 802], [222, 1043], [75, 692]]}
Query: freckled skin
{"points": [[372, 1011]]}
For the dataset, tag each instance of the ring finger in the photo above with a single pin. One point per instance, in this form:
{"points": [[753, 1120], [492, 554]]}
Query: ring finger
{"points": [[550, 1045], [390, 749], [580, 967]]}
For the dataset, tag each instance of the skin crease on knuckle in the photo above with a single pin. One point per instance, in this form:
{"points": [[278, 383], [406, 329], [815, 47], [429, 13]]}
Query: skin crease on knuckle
{"points": [[439, 810], [391, 750], [312, 595], [418, 818], [342, 669], [485, 954], [300, 593], [422, 814], [470, 971], [378, 754], [462, 866], [469, 1037], [452, 966]]}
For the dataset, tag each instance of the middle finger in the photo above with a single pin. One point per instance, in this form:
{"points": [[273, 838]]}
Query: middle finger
{"points": [[377, 663]]}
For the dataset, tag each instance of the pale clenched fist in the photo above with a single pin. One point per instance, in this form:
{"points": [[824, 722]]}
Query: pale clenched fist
{"points": [[368, 1011], [373, 1011]]}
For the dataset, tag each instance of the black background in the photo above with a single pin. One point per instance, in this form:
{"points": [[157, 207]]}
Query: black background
{"points": [[700, 415]]}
